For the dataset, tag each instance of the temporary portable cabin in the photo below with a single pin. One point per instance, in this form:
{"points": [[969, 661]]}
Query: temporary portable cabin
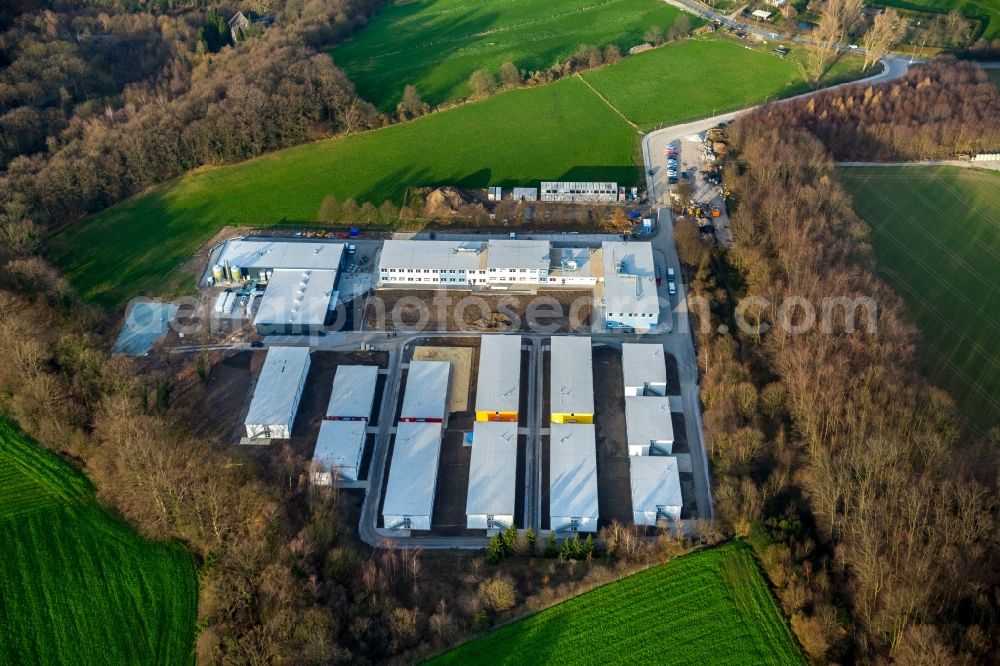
{"points": [[572, 384], [644, 369], [656, 489], [498, 389], [492, 476], [409, 495], [572, 478], [648, 425], [276, 396]]}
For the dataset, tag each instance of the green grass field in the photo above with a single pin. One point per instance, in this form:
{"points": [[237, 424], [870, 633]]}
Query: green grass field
{"points": [[987, 11], [712, 607], [561, 131], [705, 77], [937, 238], [77, 586], [437, 44]]}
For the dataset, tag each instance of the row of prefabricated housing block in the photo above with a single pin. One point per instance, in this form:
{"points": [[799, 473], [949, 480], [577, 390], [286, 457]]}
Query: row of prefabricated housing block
{"points": [[656, 489]]}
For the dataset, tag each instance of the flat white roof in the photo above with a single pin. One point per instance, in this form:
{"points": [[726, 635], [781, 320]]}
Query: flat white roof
{"points": [[426, 395], [572, 471], [572, 384], [257, 254], [655, 482], [647, 419], [493, 469], [587, 262], [274, 397], [530, 254], [434, 255], [761, 13], [643, 363], [296, 297], [498, 388], [413, 470], [353, 391], [340, 444], [630, 278]]}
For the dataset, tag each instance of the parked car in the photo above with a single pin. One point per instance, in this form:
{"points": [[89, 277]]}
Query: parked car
{"points": [[256, 344]]}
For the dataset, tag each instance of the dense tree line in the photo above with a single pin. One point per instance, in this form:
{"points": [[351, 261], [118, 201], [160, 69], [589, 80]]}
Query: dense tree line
{"points": [[931, 113], [97, 104], [873, 510]]}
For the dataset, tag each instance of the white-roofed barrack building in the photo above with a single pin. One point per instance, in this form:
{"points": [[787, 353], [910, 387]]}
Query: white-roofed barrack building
{"points": [[579, 192], [353, 394], [572, 380], [276, 396], [409, 494], [339, 448], [498, 389], [521, 262], [648, 425], [426, 396], [250, 259], [340, 444], [572, 478], [630, 296], [656, 489], [622, 274], [644, 369], [492, 476]]}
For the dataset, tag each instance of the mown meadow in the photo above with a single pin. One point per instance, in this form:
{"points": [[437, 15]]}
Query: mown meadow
{"points": [[710, 607], [77, 585]]}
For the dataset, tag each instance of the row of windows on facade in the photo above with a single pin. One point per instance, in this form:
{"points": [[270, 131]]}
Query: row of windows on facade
{"points": [[450, 270], [631, 314]]}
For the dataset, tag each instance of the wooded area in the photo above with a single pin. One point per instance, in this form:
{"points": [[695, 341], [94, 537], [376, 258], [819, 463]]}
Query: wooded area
{"points": [[97, 103], [872, 510]]}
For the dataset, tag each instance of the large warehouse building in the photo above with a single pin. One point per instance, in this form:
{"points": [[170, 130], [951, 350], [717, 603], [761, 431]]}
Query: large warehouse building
{"points": [[492, 476], [277, 393], [498, 389], [409, 495], [648, 425], [644, 369], [301, 279], [572, 478], [426, 397], [630, 296], [656, 489], [341, 441], [572, 380]]}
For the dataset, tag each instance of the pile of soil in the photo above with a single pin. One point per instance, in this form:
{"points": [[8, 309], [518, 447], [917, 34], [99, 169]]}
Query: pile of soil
{"points": [[446, 202]]}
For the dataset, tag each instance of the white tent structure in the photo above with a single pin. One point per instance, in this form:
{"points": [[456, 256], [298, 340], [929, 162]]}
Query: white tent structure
{"points": [[409, 495], [656, 489], [498, 389], [353, 393], [644, 369], [339, 448], [492, 476], [572, 478], [276, 396], [426, 396], [648, 425]]}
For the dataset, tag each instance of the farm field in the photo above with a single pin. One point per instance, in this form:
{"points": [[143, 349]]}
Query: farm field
{"points": [[437, 44], [937, 239], [709, 607], [984, 10], [76, 584], [560, 131], [705, 77]]}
